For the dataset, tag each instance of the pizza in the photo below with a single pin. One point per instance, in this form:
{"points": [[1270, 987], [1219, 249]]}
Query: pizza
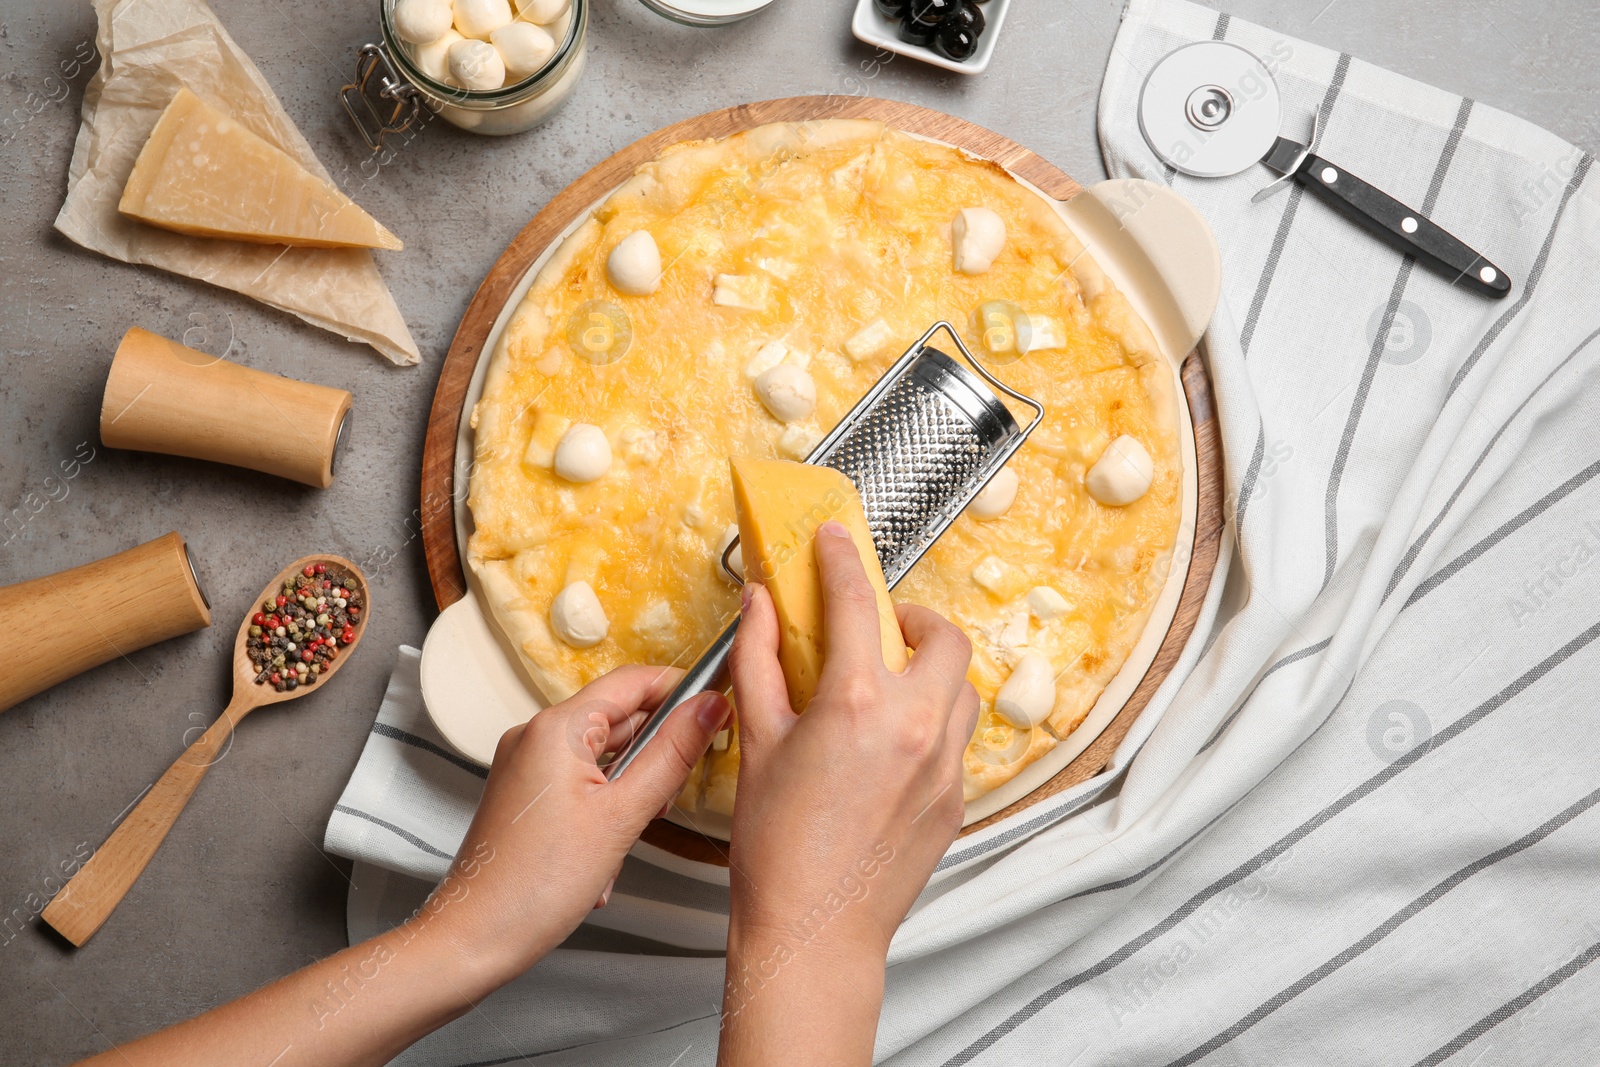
{"points": [[736, 297]]}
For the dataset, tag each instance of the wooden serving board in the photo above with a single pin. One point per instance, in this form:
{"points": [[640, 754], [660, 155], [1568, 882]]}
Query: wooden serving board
{"points": [[440, 493]]}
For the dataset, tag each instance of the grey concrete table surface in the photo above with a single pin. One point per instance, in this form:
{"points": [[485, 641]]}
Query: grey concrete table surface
{"points": [[242, 892]]}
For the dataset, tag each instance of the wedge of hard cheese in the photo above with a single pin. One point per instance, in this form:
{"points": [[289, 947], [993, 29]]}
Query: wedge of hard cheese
{"points": [[202, 173], [781, 505]]}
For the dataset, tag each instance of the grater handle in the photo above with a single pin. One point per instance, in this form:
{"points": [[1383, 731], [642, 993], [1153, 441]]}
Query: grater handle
{"points": [[708, 674]]}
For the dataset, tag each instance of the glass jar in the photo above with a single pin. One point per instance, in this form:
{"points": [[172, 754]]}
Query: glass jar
{"points": [[391, 90]]}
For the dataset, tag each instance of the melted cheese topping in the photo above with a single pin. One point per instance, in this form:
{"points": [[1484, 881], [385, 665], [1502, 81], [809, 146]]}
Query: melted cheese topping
{"points": [[821, 231]]}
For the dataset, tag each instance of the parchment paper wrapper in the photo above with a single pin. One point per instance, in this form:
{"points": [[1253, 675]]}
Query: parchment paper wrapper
{"points": [[147, 52]]}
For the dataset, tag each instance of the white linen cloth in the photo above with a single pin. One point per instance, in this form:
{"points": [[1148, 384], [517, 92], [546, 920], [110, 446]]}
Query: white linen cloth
{"points": [[1355, 825]]}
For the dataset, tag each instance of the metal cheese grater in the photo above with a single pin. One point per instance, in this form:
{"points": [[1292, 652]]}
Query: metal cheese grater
{"points": [[918, 446]]}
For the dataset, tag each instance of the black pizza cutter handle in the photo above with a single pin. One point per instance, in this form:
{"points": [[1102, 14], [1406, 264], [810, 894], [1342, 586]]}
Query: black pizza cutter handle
{"points": [[1405, 230]]}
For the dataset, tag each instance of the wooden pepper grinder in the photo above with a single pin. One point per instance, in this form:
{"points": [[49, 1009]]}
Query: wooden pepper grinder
{"points": [[164, 397], [63, 624]]}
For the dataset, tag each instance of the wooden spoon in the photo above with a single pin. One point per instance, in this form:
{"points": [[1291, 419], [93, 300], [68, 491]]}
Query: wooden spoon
{"points": [[99, 886]]}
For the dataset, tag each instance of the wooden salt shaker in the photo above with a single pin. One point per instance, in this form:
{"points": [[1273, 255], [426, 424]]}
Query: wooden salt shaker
{"points": [[164, 397], [65, 623]]}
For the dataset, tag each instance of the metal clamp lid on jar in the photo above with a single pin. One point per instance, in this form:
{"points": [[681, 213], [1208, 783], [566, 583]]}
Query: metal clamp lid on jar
{"points": [[391, 94], [379, 102]]}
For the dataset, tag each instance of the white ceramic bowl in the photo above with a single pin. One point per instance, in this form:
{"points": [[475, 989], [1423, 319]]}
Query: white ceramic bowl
{"points": [[872, 28], [706, 12]]}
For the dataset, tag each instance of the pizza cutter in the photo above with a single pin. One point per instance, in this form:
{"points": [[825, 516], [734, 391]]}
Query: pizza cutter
{"points": [[1212, 109]]}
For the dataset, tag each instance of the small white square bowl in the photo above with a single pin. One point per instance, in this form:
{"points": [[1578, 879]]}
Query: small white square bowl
{"points": [[872, 28]]}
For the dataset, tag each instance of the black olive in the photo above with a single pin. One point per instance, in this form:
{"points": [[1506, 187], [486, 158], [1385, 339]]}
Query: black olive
{"points": [[892, 9], [913, 32], [968, 17], [955, 42], [931, 12]]}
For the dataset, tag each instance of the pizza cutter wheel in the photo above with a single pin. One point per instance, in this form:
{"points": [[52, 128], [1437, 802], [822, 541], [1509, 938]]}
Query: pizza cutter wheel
{"points": [[1212, 109]]}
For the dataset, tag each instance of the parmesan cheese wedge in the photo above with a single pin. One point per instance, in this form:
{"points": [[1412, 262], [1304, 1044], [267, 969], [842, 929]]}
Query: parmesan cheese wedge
{"points": [[202, 173], [780, 506]]}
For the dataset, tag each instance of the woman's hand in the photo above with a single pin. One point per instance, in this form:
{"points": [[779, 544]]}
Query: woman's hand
{"points": [[549, 836], [550, 833], [841, 815]]}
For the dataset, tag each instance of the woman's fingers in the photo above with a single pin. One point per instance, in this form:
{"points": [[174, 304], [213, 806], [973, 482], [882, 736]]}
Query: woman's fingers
{"points": [[758, 685], [604, 715], [963, 720], [943, 652], [605, 894], [849, 604], [618, 730], [659, 771], [633, 687], [957, 733]]}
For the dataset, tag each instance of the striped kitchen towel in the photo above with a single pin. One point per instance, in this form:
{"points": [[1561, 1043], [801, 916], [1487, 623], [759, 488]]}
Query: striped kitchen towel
{"points": [[1356, 825]]}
